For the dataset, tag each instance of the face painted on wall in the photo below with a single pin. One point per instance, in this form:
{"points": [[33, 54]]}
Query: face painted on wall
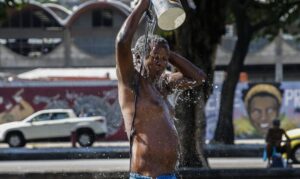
{"points": [[263, 109]]}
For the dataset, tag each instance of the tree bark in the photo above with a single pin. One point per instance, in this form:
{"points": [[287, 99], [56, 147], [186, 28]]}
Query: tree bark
{"points": [[224, 132], [190, 124], [197, 40]]}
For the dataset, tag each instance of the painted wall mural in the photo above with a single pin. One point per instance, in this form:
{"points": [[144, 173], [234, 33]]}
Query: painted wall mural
{"points": [[255, 106], [14, 108], [19, 100]]}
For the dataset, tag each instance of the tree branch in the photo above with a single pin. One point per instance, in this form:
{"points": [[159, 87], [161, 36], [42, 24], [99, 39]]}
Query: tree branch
{"points": [[259, 5], [247, 3], [274, 19], [186, 7]]}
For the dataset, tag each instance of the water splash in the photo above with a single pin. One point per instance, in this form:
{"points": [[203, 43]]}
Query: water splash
{"points": [[149, 29]]}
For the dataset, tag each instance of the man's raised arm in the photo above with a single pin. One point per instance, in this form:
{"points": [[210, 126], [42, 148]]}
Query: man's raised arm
{"points": [[188, 76], [124, 61]]}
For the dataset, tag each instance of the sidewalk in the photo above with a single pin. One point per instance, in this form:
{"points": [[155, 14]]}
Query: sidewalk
{"points": [[115, 144]]}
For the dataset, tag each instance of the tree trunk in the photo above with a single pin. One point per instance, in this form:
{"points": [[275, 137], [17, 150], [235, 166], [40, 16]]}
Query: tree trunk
{"points": [[224, 132], [189, 114], [197, 40]]}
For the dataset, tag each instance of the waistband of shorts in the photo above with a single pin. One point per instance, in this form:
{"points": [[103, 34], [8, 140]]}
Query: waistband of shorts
{"points": [[139, 176]]}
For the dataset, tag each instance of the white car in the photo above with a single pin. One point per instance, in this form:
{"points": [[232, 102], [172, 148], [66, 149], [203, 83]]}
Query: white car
{"points": [[53, 125]]}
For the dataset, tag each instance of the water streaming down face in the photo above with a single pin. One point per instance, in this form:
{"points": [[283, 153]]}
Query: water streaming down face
{"points": [[151, 21]]}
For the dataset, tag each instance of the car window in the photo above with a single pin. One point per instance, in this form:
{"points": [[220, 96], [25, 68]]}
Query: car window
{"points": [[57, 116], [41, 117]]}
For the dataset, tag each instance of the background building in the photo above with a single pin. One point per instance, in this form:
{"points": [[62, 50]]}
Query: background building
{"points": [[81, 33], [49, 35], [267, 61]]}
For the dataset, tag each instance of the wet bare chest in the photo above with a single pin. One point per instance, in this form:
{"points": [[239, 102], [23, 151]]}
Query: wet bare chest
{"points": [[151, 102]]}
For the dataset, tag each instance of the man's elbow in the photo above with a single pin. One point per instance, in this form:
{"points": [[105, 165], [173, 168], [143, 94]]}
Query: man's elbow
{"points": [[122, 40], [120, 43], [201, 77]]}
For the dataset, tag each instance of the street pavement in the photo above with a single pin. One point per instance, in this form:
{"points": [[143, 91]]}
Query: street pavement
{"points": [[103, 165], [69, 144], [114, 144]]}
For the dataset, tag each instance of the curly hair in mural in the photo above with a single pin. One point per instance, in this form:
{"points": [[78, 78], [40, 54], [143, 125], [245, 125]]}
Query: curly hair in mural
{"points": [[263, 104]]}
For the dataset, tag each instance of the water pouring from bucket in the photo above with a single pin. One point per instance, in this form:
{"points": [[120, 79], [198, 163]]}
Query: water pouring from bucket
{"points": [[170, 14]]}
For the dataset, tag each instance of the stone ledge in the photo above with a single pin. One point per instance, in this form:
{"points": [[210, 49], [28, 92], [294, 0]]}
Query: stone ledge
{"points": [[239, 150]]}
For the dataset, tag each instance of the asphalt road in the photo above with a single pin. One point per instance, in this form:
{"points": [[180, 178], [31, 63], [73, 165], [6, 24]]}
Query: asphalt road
{"points": [[114, 165], [112, 143], [68, 144]]}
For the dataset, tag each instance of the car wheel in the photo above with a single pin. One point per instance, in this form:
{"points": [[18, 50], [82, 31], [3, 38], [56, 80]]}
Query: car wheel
{"points": [[296, 154], [85, 138], [15, 140]]}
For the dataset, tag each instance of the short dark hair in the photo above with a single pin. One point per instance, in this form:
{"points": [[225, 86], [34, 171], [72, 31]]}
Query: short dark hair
{"points": [[140, 45], [276, 122]]}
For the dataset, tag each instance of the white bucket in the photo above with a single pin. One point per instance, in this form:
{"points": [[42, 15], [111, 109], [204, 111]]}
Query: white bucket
{"points": [[170, 14]]}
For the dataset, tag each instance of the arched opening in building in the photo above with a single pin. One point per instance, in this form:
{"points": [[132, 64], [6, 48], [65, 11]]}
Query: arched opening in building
{"points": [[29, 31]]}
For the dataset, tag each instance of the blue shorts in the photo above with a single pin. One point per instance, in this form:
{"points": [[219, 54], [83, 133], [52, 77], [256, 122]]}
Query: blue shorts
{"points": [[164, 176]]}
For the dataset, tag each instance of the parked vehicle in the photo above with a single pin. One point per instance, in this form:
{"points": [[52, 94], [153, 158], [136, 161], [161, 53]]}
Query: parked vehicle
{"points": [[294, 135], [53, 125]]}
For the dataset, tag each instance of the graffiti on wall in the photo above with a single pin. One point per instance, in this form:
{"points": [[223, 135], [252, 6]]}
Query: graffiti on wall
{"points": [[15, 108], [16, 103], [255, 106]]}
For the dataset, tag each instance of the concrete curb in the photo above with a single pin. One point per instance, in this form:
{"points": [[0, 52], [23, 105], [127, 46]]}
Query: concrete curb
{"points": [[64, 153], [188, 173], [244, 150], [239, 173], [238, 150]]}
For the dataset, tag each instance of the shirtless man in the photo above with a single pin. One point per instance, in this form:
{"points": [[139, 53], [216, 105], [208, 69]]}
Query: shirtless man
{"points": [[155, 139]]}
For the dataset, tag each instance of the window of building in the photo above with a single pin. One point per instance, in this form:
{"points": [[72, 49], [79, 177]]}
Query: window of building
{"points": [[37, 20], [102, 18]]}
